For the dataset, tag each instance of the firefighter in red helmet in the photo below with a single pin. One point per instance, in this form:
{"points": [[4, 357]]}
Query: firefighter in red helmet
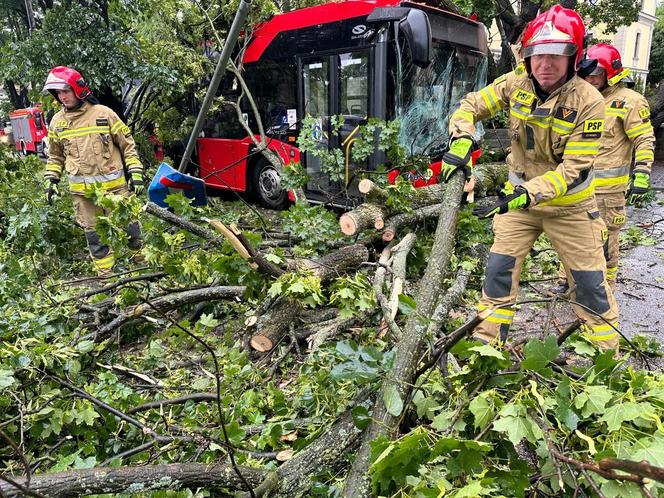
{"points": [[93, 145], [628, 134], [556, 122]]}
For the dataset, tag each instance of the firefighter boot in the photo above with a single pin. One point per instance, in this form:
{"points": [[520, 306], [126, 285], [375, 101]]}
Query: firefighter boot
{"points": [[101, 254], [561, 287], [135, 242]]}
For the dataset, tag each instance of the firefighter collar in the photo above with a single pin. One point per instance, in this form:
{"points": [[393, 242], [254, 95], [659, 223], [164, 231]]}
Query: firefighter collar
{"points": [[70, 113]]}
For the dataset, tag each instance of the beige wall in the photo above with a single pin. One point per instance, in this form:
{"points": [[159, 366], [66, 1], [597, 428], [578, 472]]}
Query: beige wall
{"points": [[632, 41]]}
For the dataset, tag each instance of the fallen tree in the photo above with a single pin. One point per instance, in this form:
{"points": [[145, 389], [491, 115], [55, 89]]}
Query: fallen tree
{"points": [[99, 480]]}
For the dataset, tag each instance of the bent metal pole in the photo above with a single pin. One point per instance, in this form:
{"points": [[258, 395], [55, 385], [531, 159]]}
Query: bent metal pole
{"points": [[233, 34]]}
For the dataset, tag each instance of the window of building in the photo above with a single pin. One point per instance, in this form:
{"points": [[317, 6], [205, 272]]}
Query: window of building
{"points": [[637, 42]]}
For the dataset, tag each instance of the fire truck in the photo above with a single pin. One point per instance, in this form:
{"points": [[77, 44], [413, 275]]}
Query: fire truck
{"points": [[386, 59], [30, 130]]}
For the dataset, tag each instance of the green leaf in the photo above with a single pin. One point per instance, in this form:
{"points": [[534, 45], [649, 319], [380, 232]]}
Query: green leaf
{"points": [[406, 304], [518, 428], [649, 449], [86, 416], [6, 378], [392, 400], [616, 489], [490, 351], [539, 354], [593, 400], [208, 320], [361, 417], [85, 346], [273, 258], [625, 412], [482, 409]]}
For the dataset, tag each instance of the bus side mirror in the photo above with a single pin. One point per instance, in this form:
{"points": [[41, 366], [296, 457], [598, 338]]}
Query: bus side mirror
{"points": [[417, 30]]}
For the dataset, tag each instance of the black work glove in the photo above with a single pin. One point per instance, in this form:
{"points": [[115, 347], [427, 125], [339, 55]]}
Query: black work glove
{"points": [[508, 201], [51, 189]]}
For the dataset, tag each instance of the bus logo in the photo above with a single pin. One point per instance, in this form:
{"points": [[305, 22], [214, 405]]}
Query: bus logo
{"points": [[359, 29]]}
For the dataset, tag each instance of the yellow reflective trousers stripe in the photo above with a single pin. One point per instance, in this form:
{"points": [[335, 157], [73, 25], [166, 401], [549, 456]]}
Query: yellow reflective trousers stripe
{"points": [[603, 332]]}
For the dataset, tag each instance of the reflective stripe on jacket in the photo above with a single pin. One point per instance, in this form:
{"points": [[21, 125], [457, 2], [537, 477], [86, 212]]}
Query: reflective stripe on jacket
{"points": [[91, 143], [553, 142], [628, 134]]}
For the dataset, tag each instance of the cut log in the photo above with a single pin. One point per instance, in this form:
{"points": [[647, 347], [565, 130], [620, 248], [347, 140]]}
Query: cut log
{"points": [[409, 219], [364, 216], [372, 192], [273, 324], [98, 480], [408, 351]]}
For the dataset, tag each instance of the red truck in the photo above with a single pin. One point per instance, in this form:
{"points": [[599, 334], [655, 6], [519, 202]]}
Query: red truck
{"points": [[388, 59], [30, 130]]}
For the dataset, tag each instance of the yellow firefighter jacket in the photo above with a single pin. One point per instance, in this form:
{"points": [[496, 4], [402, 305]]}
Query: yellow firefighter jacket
{"points": [[627, 133], [91, 143], [553, 142]]}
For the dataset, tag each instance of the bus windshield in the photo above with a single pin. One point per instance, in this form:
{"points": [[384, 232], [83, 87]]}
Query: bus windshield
{"points": [[428, 95]]}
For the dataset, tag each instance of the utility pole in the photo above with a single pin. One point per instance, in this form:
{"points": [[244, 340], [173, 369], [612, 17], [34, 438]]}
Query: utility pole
{"points": [[231, 39], [30, 15]]}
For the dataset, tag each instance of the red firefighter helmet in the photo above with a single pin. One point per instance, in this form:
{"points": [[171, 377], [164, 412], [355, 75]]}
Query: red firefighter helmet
{"points": [[608, 59], [558, 31], [64, 78]]}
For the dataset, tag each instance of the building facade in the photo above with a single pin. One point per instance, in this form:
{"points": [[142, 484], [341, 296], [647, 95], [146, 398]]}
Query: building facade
{"points": [[633, 41]]}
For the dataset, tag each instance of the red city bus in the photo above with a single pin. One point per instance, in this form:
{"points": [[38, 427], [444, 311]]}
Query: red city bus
{"points": [[30, 130], [387, 59]]}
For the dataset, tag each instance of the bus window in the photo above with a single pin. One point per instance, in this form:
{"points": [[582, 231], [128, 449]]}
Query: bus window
{"points": [[38, 120], [354, 84], [424, 104]]}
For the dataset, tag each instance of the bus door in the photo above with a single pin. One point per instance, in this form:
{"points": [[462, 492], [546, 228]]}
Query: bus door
{"points": [[335, 85]]}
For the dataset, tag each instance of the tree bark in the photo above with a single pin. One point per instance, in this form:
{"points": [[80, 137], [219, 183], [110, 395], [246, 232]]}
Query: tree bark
{"points": [[409, 349], [274, 324], [165, 303], [82, 482], [409, 219], [293, 479]]}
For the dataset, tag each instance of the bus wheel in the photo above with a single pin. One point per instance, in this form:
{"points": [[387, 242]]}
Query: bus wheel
{"points": [[24, 150], [267, 185], [44, 149]]}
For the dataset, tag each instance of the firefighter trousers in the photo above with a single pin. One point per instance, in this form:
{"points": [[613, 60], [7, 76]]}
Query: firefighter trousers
{"points": [[578, 238], [102, 254], [612, 209]]}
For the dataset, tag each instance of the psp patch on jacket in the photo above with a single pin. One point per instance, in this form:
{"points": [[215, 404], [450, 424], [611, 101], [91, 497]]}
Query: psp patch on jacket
{"points": [[523, 96], [593, 128], [60, 125], [565, 114]]}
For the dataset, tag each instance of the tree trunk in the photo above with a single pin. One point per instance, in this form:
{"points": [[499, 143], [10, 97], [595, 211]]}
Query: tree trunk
{"points": [[408, 351], [293, 479], [273, 325], [82, 482]]}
